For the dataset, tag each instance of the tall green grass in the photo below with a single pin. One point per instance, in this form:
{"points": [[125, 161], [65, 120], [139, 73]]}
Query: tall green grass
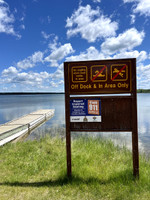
{"points": [[37, 170]]}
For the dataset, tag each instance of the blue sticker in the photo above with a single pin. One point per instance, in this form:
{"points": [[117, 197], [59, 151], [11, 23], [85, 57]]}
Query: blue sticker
{"points": [[85, 110]]}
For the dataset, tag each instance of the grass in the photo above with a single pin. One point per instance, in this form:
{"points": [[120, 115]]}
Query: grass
{"points": [[37, 170]]}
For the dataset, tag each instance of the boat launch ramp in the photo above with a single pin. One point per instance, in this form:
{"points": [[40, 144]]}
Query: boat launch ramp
{"points": [[23, 125]]}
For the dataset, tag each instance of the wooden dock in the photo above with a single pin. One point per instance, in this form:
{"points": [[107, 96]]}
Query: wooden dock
{"points": [[23, 125]]}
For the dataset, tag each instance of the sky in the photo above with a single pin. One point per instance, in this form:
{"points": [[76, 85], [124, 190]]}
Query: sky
{"points": [[38, 36]]}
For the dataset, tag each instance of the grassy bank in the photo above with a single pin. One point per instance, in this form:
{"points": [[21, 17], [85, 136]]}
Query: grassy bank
{"points": [[37, 170]]}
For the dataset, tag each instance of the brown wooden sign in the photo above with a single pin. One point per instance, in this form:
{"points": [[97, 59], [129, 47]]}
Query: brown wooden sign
{"points": [[108, 113]]}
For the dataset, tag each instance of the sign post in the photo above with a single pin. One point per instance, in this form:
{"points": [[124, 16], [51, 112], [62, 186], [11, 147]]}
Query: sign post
{"points": [[109, 112]]}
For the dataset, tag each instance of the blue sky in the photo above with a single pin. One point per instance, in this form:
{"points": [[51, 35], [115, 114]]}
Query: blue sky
{"points": [[37, 36]]}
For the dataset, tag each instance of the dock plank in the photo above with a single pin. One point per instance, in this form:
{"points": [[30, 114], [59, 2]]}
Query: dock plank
{"points": [[26, 120], [9, 127]]}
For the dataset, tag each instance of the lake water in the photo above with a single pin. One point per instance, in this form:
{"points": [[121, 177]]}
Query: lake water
{"points": [[15, 106]]}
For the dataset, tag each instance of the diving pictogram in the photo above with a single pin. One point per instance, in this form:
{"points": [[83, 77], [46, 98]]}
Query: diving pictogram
{"points": [[119, 72]]}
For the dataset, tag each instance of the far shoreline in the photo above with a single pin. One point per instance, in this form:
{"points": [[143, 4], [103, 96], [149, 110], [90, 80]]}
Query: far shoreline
{"points": [[29, 93]]}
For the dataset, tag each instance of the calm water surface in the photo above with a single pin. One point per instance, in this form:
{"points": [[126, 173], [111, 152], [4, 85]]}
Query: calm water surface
{"points": [[14, 106]]}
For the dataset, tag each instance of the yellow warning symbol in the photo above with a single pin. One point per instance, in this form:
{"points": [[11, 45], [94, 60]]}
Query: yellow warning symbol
{"points": [[99, 73], [119, 72], [79, 74]]}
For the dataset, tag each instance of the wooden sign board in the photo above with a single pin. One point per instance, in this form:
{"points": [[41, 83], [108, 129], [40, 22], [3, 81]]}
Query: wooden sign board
{"points": [[115, 115], [86, 112], [98, 77]]}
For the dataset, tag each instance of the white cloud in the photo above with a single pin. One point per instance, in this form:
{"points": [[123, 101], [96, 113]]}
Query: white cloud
{"points": [[90, 54], [91, 24], [143, 7], [37, 57], [59, 73], [12, 76], [96, 1], [141, 56], [129, 1], [45, 75], [45, 35], [13, 86], [56, 84], [143, 72], [29, 78], [7, 20], [22, 26], [132, 19], [53, 45], [140, 6], [144, 69], [25, 64], [93, 54], [10, 71], [31, 61], [125, 41], [4, 88], [61, 82], [59, 53], [53, 84]]}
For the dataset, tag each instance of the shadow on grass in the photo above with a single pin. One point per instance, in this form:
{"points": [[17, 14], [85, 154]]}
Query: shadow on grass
{"points": [[124, 178]]}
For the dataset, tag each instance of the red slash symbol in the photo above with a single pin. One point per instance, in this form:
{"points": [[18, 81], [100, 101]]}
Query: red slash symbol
{"points": [[99, 73], [119, 72]]}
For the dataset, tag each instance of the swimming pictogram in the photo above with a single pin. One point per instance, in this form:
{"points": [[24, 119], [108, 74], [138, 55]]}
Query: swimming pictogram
{"points": [[99, 73]]}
